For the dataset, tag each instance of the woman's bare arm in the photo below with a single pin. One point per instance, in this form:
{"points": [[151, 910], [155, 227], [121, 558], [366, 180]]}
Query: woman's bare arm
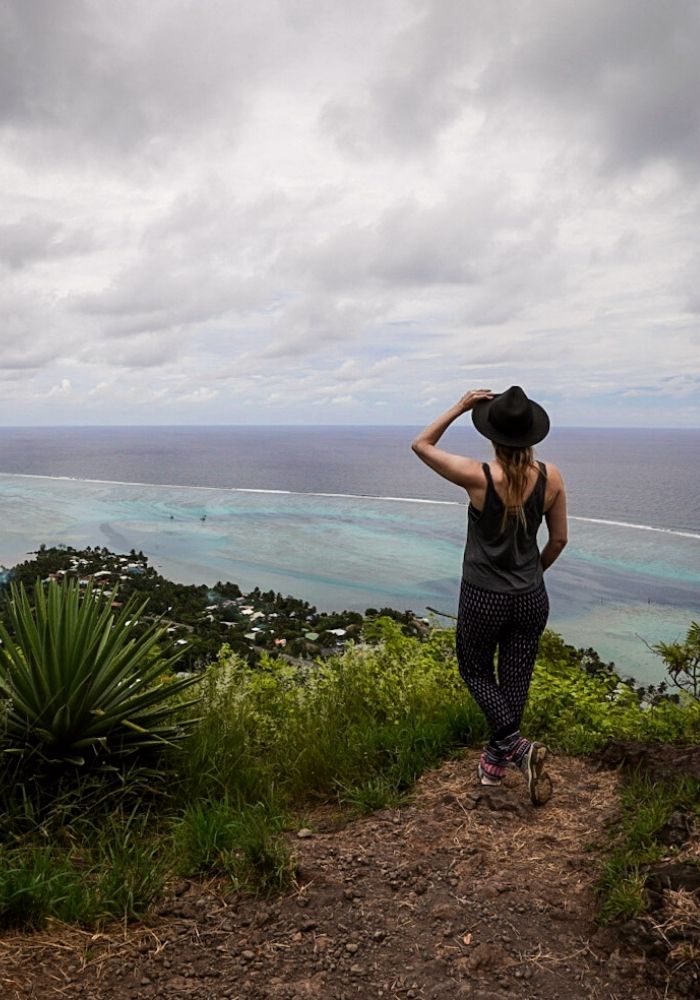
{"points": [[555, 516], [465, 472]]}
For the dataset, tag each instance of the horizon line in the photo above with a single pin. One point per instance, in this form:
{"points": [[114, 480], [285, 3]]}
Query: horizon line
{"points": [[287, 425]]}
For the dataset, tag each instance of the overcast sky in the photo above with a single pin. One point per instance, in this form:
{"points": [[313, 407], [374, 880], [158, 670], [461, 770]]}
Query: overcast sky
{"points": [[315, 211]]}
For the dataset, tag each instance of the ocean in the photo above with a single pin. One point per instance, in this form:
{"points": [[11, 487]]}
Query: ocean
{"points": [[347, 517]]}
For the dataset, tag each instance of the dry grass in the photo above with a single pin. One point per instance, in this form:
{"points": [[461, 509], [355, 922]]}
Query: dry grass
{"points": [[680, 926], [80, 949], [545, 837]]}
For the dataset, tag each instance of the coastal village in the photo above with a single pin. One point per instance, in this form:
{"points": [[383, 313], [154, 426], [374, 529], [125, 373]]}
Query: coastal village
{"points": [[200, 619]]}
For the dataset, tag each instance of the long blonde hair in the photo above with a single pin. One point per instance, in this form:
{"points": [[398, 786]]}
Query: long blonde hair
{"points": [[516, 463]]}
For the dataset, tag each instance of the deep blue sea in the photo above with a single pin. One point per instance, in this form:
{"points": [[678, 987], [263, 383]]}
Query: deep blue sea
{"points": [[347, 517]]}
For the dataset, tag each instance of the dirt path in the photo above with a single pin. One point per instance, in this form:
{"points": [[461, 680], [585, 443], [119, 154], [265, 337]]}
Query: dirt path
{"points": [[455, 895]]}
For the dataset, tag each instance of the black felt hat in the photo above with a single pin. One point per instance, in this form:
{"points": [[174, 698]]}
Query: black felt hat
{"points": [[511, 418]]}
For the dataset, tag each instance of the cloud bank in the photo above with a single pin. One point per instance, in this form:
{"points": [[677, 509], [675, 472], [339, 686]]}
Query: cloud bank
{"points": [[285, 211]]}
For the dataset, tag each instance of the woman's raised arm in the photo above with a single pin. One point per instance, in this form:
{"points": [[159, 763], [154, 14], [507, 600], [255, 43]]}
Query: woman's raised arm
{"points": [[457, 469]]}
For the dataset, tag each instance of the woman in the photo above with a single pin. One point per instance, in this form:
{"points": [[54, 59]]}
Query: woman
{"points": [[503, 602]]}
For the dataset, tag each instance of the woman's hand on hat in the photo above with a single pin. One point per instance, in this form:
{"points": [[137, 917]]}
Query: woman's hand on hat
{"points": [[468, 400]]}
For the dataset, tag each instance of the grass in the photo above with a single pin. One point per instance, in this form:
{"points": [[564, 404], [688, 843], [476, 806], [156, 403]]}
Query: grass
{"points": [[214, 837], [270, 744], [646, 808], [276, 732], [113, 867]]}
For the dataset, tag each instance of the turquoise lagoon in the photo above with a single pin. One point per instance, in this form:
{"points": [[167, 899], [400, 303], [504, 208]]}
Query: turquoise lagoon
{"points": [[617, 586]]}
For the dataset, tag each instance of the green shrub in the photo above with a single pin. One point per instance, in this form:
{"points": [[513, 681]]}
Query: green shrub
{"points": [[131, 863], [80, 685], [204, 837], [390, 710], [579, 711], [682, 661], [260, 862], [245, 843]]}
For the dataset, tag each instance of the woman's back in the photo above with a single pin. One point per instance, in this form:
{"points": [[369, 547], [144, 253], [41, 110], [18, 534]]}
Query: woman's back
{"points": [[501, 552], [477, 492]]}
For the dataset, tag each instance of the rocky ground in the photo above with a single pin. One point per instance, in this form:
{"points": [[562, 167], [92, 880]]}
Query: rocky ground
{"points": [[461, 893]]}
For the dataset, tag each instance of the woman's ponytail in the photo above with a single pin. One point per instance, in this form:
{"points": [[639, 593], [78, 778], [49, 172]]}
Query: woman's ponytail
{"points": [[516, 464]]}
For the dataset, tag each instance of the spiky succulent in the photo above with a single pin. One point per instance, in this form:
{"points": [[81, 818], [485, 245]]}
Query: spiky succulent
{"points": [[80, 682]]}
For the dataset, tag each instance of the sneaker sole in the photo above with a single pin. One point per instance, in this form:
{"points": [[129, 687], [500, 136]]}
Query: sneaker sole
{"points": [[543, 789], [535, 772]]}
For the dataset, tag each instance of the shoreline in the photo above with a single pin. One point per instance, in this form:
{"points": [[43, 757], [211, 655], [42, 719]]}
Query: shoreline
{"points": [[601, 626]]}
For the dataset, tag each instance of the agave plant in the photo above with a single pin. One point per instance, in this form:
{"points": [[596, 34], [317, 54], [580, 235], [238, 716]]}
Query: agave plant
{"points": [[79, 682]]}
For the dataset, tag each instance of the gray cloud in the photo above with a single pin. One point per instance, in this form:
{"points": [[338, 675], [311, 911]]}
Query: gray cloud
{"points": [[226, 209], [23, 357], [123, 79], [423, 84], [34, 238], [146, 350], [625, 75], [461, 234], [316, 323]]}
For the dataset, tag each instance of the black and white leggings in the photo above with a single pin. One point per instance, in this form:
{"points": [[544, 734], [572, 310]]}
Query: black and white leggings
{"points": [[512, 623]]}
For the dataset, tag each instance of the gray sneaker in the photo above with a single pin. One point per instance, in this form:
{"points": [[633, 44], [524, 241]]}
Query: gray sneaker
{"points": [[539, 784]]}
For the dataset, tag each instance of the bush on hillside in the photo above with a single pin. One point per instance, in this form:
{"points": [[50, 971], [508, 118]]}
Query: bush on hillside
{"points": [[80, 687], [682, 661]]}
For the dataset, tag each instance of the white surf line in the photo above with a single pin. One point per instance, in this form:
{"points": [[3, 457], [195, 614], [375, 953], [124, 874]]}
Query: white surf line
{"points": [[226, 489], [639, 527], [340, 496], [346, 496]]}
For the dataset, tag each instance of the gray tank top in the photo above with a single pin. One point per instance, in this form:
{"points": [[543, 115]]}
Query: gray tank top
{"points": [[506, 560]]}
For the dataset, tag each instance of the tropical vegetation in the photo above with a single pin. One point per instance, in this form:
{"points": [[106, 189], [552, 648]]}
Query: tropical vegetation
{"points": [[133, 776], [79, 685]]}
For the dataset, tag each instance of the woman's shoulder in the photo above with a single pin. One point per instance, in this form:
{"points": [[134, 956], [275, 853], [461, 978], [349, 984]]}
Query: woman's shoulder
{"points": [[553, 474]]}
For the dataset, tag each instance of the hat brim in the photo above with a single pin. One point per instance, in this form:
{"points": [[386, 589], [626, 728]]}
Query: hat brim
{"points": [[536, 432]]}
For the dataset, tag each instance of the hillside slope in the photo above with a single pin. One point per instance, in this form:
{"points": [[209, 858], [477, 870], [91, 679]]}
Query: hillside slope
{"points": [[459, 893]]}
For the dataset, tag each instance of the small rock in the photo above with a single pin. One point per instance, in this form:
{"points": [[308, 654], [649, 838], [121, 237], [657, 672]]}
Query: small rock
{"points": [[351, 947], [485, 956], [247, 955], [677, 830], [304, 833], [442, 911]]}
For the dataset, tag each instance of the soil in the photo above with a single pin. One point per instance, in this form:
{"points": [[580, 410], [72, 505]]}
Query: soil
{"points": [[462, 892]]}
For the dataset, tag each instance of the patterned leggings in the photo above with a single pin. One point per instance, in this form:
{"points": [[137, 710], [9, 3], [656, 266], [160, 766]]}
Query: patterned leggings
{"points": [[512, 623]]}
